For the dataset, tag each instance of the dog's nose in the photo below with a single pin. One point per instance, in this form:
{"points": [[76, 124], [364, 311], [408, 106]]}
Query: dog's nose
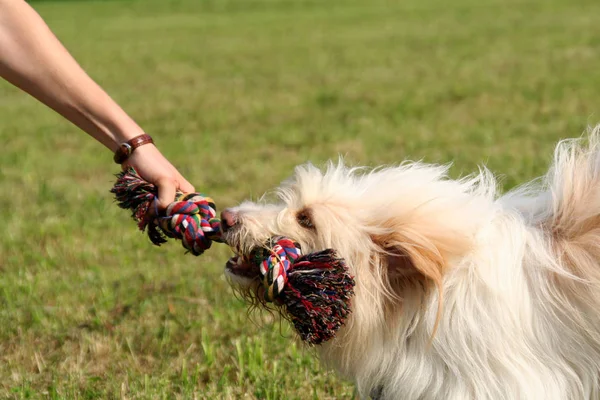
{"points": [[228, 219]]}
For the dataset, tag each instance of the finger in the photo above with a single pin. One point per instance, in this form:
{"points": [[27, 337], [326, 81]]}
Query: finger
{"points": [[185, 186], [167, 188]]}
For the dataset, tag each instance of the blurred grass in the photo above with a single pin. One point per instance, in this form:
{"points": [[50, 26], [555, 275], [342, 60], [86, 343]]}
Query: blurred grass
{"points": [[236, 93]]}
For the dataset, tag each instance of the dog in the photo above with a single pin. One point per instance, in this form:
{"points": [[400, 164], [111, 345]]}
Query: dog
{"points": [[461, 292]]}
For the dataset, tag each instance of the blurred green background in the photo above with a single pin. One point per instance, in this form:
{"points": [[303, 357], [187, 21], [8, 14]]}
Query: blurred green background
{"points": [[235, 94]]}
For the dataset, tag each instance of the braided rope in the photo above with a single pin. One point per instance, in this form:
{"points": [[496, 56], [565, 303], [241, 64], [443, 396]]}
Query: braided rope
{"points": [[275, 267], [315, 289], [191, 218]]}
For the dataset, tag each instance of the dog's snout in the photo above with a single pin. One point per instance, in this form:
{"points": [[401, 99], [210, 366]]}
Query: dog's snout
{"points": [[229, 219]]}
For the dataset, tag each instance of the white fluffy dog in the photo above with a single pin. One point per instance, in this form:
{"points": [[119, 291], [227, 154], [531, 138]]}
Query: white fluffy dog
{"points": [[461, 293]]}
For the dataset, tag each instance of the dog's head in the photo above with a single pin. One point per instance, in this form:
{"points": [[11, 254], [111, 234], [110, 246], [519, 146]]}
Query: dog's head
{"points": [[397, 228]]}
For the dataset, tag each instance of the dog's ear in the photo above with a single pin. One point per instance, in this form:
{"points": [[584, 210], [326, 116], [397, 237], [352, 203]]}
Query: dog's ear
{"points": [[423, 247], [418, 251]]}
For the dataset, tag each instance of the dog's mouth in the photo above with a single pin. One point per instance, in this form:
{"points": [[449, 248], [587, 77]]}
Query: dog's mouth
{"points": [[240, 266], [245, 265]]}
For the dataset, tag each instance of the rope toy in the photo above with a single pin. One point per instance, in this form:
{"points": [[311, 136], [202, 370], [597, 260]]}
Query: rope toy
{"points": [[315, 289], [191, 218], [275, 267]]}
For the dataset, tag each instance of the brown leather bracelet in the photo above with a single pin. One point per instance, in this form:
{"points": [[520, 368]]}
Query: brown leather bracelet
{"points": [[126, 148]]}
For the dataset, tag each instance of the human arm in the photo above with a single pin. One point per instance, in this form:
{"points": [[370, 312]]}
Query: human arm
{"points": [[33, 59]]}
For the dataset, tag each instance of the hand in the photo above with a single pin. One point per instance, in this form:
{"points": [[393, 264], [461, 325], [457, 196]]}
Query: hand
{"points": [[156, 169]]}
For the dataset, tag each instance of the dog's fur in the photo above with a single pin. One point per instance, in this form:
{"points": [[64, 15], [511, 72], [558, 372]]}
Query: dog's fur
{"points": [[461, 293]]}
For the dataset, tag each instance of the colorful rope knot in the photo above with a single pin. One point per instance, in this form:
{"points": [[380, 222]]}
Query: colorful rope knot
{"points": [[315, 289], [191, 218], [274, 269]]}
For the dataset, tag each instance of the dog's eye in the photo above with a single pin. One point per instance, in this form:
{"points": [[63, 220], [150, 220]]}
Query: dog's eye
{"points": [[304, 218]]}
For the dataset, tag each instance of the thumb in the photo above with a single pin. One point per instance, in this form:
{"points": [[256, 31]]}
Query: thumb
{"points": [[167, 189], [185, 186]]}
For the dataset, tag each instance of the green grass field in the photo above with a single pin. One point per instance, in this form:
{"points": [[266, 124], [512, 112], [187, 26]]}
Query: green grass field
{"points": [[236, 93]]}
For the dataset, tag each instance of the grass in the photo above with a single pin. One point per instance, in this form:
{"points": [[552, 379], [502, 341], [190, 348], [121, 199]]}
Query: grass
{"points": [[236, 93]]}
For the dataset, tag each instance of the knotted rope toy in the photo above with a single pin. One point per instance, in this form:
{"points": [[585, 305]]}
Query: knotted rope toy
{"points": [[315, 289], [191, 218]]}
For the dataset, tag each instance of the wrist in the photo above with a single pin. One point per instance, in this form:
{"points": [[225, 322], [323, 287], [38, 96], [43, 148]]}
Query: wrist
{"points": [[127, 148], [121, 128], [121, 136]]}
